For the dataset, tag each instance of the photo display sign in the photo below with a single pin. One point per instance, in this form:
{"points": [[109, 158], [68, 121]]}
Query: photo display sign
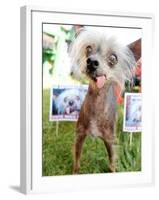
{"points": [[66, 101], [133, 112]]}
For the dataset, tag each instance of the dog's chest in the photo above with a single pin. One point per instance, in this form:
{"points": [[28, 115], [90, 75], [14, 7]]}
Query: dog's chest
{"points": [[94, 129], [101, 105], [101, 111], [97, 117]]}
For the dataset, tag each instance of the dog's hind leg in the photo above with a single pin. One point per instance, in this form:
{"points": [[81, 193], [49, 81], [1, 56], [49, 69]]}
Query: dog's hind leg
{"points": [[109, 142], [111, 153], [80, 137]]}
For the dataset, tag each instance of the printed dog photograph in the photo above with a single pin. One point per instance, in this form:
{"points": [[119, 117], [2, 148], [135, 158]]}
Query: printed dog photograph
{"points": [[88, 72], [66, 102], [133, 112]]}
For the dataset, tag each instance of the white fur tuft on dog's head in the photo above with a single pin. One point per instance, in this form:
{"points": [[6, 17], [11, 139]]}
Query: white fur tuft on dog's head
{"points": [[103, 50]]}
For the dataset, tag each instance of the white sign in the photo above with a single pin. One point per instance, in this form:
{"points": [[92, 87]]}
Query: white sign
{"points": [[132, 112], [66, 101]]}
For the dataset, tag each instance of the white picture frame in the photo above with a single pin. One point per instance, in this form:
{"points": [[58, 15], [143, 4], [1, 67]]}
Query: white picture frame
{"points": [[31, 101]]}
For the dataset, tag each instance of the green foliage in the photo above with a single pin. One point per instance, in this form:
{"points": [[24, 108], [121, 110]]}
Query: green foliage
{"points": [[57, 149], [48, 55]]}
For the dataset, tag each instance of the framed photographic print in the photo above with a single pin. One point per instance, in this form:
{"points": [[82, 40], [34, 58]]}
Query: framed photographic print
{"points": [[86, 100]]}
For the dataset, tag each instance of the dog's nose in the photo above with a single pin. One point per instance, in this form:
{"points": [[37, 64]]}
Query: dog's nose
{"points": [[92, 64], [71, 103]]}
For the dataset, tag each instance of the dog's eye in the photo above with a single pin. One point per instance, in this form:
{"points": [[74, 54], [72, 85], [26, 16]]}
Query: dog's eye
{"points": [[65, 99], [112, 60], [89, 50], [78, 98]]}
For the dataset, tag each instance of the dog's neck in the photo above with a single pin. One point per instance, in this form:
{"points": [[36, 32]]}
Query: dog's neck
{"points": [[94, 90]]}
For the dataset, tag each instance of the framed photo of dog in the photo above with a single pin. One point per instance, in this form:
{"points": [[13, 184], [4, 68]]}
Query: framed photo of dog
{"points": [[86, 100]]}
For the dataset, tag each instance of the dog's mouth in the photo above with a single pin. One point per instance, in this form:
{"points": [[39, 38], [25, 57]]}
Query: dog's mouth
{"points": [[100, 80]]}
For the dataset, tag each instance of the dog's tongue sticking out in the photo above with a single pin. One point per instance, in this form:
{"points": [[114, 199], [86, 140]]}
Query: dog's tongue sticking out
{"points": [[100, 81]]}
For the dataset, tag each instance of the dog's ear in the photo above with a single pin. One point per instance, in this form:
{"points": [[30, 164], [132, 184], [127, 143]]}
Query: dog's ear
{"points": [[130, 64], [134, 53], [76, 53], [78, 30], [135, 47], [127, 63]]}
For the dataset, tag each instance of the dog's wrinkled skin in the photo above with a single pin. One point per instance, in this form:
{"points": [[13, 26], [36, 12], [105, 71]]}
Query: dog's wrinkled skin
{"points": [[106, 64]]}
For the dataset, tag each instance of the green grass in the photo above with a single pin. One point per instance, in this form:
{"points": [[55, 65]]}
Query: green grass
{"points": [[57, 149]]}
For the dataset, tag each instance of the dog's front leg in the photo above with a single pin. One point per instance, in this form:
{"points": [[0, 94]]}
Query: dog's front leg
{"points": [[80, 137]]}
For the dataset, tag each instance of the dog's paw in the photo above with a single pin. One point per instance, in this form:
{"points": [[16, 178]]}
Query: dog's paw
{"points": [[75, 170], [112, 168]]}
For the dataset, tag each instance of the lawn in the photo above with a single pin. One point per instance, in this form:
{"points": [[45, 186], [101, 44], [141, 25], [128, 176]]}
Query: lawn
{"points": [[57, 148]]}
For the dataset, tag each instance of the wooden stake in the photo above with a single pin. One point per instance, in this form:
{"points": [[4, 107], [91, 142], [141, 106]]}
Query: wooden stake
{"points": [[57, 128], [131, 138]]}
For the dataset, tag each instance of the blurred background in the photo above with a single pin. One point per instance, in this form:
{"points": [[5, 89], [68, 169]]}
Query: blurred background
{"points": [[56, 43]]}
